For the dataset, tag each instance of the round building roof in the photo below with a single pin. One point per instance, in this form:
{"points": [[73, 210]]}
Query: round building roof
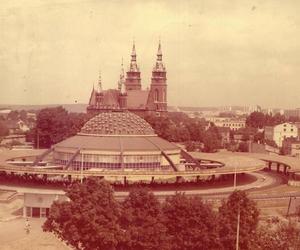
{"points": [[116, 123]]}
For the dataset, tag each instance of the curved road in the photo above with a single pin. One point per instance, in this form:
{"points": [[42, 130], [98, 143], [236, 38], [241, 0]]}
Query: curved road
{"points": [[233, 162]]}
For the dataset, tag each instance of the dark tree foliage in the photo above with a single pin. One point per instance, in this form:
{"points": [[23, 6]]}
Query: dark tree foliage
{"points": [[3, 129], [54, 125], [256, 120], [177, 127], [93, 219], [280, 237], [259, 119], [142, 222], [243, 147], [212, 140], [13, 115], [258, 137], [89, 220], [192, 225], [228, 214]]}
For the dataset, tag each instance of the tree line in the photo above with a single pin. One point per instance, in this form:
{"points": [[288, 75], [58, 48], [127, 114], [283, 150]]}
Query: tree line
{"points": [[259, 120], [56, 124], [93, 219]]}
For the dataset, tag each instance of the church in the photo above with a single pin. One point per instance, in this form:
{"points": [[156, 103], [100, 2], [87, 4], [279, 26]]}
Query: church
{"points": [[129, 95]]}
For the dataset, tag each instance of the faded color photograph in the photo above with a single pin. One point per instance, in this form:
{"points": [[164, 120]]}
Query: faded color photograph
{"points": [[145, 125]]}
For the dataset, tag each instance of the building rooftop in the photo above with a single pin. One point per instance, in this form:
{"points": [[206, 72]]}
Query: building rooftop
{"points": [[117, 123]]}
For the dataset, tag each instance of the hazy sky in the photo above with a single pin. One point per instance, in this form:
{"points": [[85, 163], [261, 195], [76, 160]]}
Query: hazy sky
{"points": [[216, 52]]}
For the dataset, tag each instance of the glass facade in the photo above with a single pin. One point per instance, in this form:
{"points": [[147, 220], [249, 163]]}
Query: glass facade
{"points": [[110, 162]]}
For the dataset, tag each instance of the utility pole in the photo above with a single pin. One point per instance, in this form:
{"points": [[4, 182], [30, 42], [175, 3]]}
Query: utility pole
{"points": [[234, 178], [238, 228], [81, 168]]}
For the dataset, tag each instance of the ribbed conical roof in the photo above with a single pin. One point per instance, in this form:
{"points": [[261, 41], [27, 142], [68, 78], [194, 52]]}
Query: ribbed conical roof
{"points": [[117, 123]]}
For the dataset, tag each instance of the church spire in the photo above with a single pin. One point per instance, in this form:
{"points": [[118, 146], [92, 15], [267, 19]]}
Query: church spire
{"points": [[133, 64], [133, 53], [122, 77], [100, 82], [159, 53], [133, 75], [159, 66]]}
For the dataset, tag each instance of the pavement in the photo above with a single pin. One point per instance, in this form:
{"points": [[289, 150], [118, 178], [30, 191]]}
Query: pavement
{"points": [[14, 237]]}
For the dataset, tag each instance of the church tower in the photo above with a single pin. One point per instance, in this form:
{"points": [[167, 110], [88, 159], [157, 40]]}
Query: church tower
{"points": [[133, 79], [122, 93], [158, 87]]}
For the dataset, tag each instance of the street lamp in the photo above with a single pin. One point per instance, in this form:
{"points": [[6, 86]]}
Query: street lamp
{"points": [[81, 168]]}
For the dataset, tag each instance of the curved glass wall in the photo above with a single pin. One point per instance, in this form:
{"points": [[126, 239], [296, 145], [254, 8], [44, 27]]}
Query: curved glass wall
{"points": [[110, 162]]}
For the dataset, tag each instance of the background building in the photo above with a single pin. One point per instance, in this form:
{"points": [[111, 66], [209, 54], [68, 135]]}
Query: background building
{"points": [[292, 113], [233, 124], [291, 146], [280, 132], [129, 95]]}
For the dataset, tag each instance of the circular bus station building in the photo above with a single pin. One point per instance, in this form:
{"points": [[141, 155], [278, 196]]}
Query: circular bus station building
{"points": [[116, 141]]}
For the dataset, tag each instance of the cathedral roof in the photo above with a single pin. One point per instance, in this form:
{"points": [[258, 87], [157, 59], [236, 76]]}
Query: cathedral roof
{"points": [[117, 123], [137, 99]]}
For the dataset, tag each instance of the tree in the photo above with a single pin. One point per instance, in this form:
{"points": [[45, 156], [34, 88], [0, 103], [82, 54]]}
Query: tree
{"points": [[13, 115], [212, 140], [256, 120], [228, 214], [280, 237], [259, 137], [89, 220], [23, 115], [243, 147], [3, 129], [191, 224], [142, 222], [54, 125]]}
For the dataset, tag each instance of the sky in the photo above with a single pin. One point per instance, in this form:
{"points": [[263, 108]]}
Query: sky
{"points": [[216, 52]]}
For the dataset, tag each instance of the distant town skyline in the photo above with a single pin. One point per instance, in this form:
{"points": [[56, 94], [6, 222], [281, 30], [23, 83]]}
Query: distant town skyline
{"points": [[217, 53]]}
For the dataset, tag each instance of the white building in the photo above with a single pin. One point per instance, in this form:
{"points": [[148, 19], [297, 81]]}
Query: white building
{"points": [[233, 124], [280, 132]]}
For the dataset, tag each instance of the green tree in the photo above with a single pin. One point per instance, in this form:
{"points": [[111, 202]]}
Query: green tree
{"points": [[228, 214], [142, 222], [89, 220], [192, 225]]}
